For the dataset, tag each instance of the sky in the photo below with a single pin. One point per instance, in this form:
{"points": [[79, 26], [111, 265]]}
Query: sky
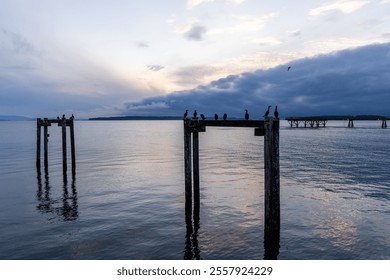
{"points": [[111, 58]]}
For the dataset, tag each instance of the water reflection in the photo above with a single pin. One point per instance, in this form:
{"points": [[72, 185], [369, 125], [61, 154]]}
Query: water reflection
{"points": [[191, 251], [68, 209]]}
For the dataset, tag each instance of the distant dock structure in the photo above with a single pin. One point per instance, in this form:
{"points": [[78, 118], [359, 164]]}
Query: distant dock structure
{"points": [[63, 123], [321, 121]]}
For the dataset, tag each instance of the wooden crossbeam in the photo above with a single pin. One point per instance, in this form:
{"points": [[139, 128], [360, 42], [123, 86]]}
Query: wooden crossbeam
{"points": [[227, 123]]}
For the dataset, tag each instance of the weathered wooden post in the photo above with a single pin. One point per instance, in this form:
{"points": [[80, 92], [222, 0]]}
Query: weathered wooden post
{"points": [[64, 161], [72, 144], [187, 167], [271, 188], [195, 157], [45, 142], [38, 160]]}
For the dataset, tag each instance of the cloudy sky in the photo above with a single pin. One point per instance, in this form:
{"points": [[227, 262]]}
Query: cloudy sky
{"points": [[122, 57]]}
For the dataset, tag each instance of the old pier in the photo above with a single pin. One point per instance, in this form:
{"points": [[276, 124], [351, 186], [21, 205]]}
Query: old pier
{"points": [[321, 121], [63, 123], [269, 128]]}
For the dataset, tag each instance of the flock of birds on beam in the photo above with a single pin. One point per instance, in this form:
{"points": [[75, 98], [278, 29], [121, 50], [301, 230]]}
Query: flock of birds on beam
{"points": [[216, 117], [63, 117]]}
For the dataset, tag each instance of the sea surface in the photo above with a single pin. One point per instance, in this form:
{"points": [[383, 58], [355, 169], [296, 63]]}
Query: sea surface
{"points": [[126, 200]]}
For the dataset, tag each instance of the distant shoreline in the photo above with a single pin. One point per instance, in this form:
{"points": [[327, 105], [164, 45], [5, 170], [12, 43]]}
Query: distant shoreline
{"points": [[134, 118]]}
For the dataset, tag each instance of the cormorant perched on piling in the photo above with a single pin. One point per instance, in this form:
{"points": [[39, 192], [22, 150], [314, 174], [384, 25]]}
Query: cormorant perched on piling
{"points": [[63, 116], [267, 112], [224, 117], [72, 117], [185, 114], [246, 114], [276, 113], [215, 117], [58, 117], [202, 116], [195, 115]]}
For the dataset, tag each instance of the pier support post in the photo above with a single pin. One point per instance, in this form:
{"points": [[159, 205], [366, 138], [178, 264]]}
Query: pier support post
{"points": [[72, 144], [45, 142], [38, 160], [195, 157], [384, 123], [271, 189], [187, 167], [64, 161]]}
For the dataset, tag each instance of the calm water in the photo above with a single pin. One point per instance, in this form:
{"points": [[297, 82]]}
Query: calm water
{"points": [[127, 198]]}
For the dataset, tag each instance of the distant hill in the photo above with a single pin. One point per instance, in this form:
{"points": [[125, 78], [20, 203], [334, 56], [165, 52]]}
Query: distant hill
{"points": [[15, 118], [133, 118]]}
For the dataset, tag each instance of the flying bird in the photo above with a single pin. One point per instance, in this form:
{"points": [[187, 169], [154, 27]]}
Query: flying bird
{"points": [[246, 114], [288, 68], [195, 115], [267, 112], [202, 116], [276, 113], [215, 117], [186, 114], [224, 117]]}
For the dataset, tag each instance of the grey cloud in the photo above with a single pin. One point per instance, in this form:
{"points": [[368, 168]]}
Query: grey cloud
{"points": [[355, 81], [17, 43], [155, 68], [196, 33], [193, 75], [142, 44], [295, 33]]}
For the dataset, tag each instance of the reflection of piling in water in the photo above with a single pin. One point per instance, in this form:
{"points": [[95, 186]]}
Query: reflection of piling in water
{"points": [[63, 123], [46, 204], [191, 250], [269, 128]]}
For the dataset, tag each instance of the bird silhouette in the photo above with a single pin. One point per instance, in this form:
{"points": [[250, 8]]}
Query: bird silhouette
{"points": [[216, 117], [224, 117], [63, 116], [58, 117], [288, 68], [72, 117], [267, 112], [246, 114], [276, 113], [202, 116], [195, 115], [186, 114]]}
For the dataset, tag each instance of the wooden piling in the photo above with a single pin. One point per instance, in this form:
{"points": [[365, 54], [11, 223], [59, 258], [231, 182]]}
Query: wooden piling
{"points": [[271, 187], [269, 128], [38, 159], [195, 157], [45, 142], [73, 149], [187, 167], [64, 161]]}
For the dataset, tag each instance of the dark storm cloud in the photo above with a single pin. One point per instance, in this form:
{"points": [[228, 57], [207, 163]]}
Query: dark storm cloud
{"points": [[355, 81], [196, 33]]}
